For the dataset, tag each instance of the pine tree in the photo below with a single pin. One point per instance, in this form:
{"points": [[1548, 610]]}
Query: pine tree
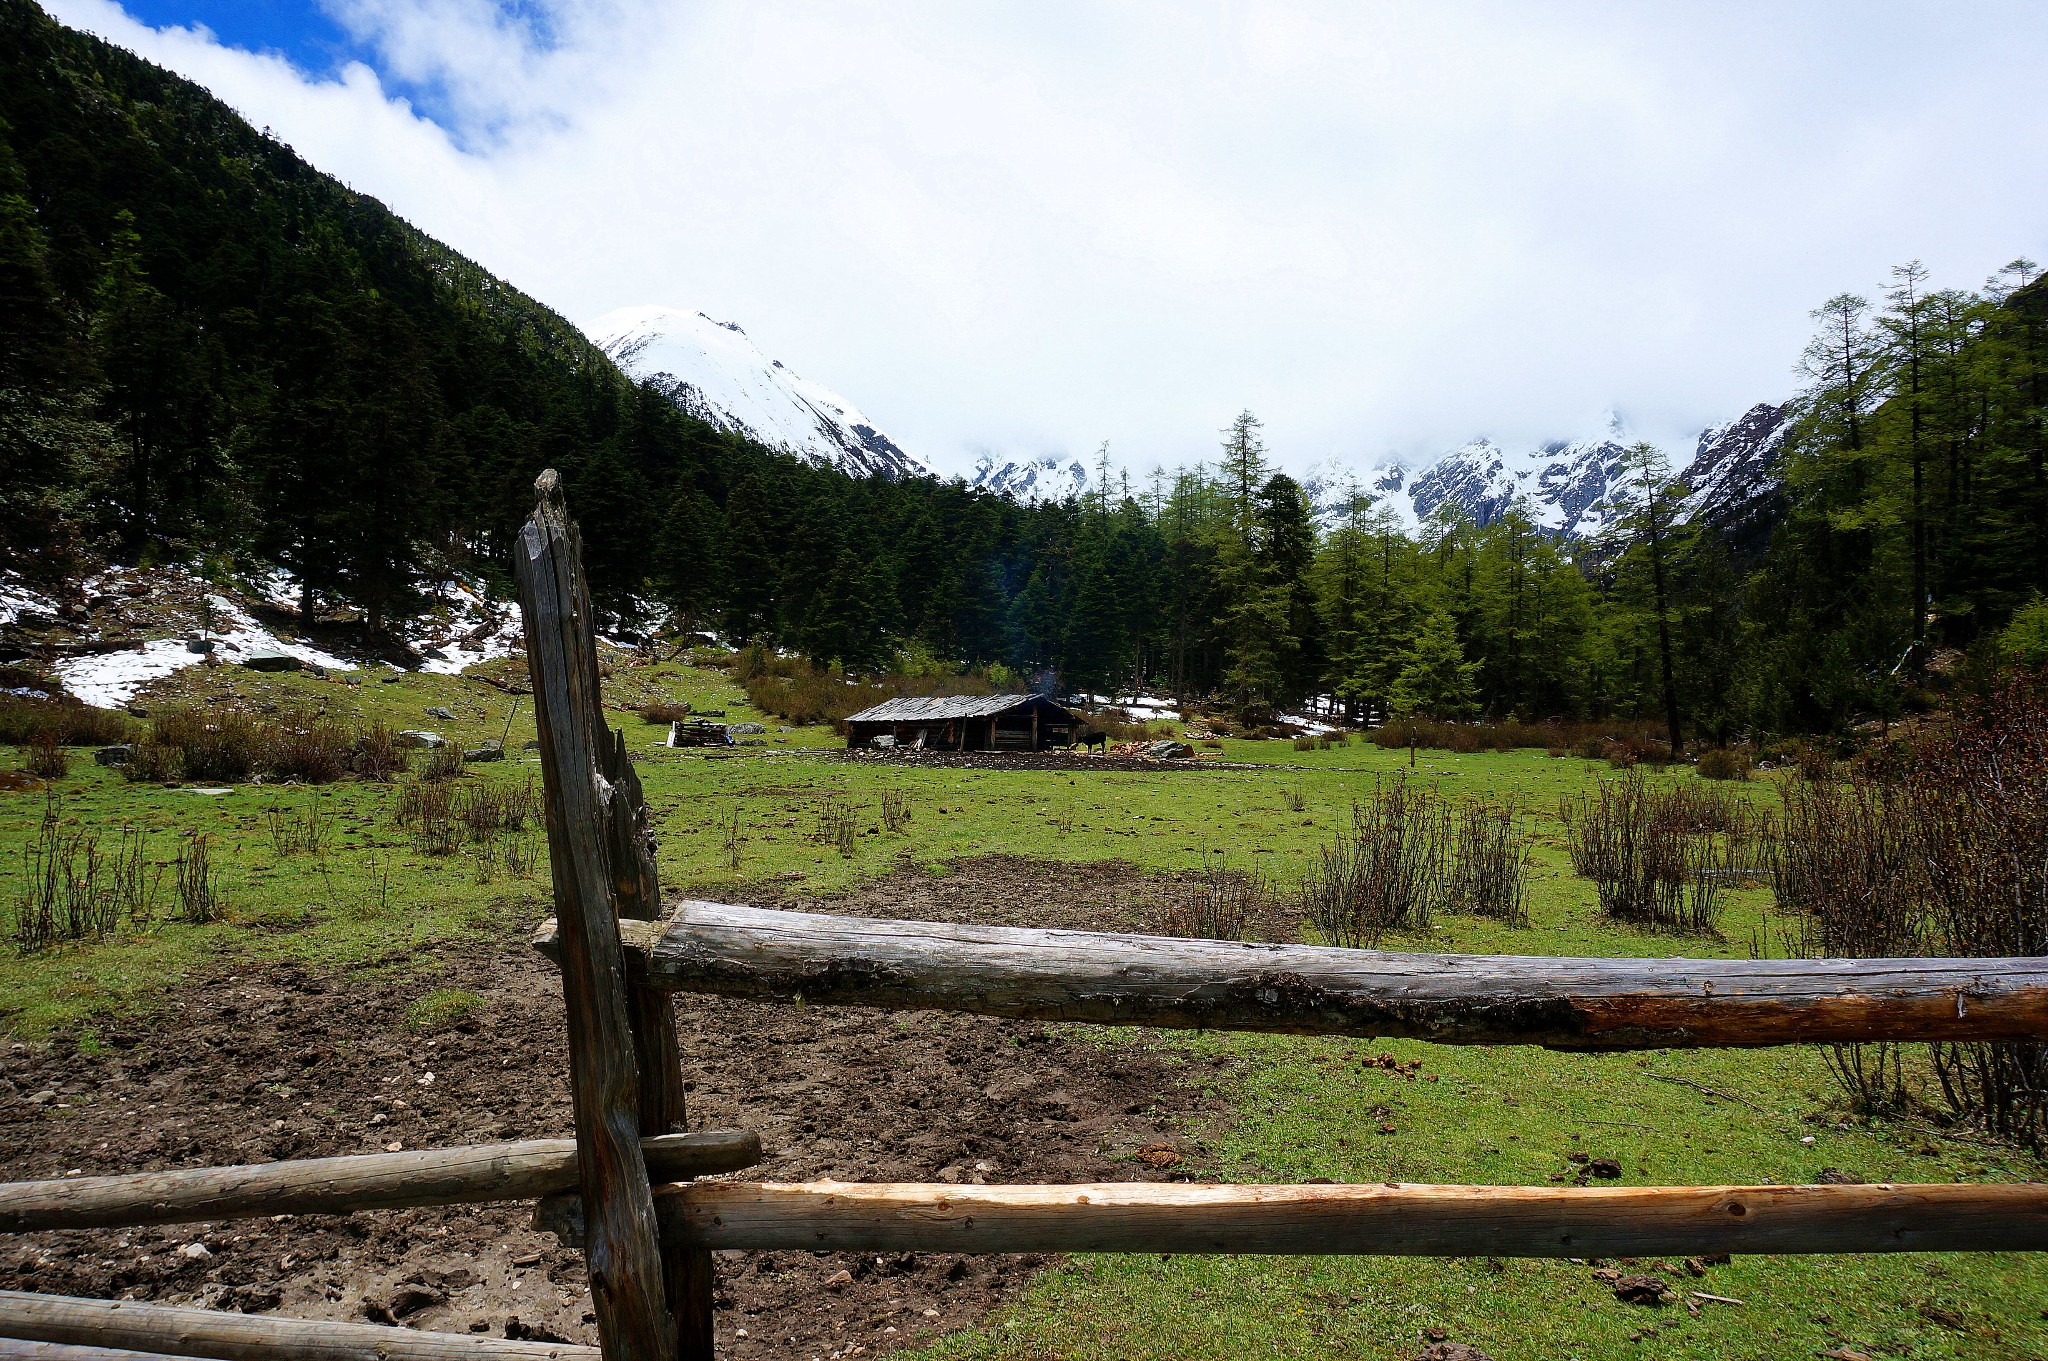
{"points": [[1435, 679]]}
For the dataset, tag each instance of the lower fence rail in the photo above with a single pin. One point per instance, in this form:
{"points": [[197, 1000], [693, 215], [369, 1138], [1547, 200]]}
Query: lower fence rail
{"points": [[104, 1326], [1373, 1220]]}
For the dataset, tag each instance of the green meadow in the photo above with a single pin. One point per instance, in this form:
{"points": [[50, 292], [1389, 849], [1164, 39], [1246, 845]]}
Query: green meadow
{"points": [[1301, 1108]]}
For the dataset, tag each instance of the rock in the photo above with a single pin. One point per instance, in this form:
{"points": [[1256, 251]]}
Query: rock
{"points": [[1605, 1168], [1835, 1176], [434, 654], [417, 737], [202, 646], [116, 755], [195, 1251], [489, 751], [839, 1280], [440, 711], [270, 659], [137, 711], [394, 678], [744, 729], [1169, 751], [530, 746], [1450, 1351], [523, 1332], [319, 671], [1641, 1289]]}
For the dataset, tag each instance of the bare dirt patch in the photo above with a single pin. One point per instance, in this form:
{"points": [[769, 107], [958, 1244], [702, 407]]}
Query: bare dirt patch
{"points": [[291, 1064]]}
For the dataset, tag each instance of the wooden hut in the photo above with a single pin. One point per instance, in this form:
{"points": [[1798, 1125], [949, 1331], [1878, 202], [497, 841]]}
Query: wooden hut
{"points": [[967, 723]]}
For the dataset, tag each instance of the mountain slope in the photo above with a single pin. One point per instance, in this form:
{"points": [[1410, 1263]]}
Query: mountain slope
{"points": [[1042, 481], [713, 372]]}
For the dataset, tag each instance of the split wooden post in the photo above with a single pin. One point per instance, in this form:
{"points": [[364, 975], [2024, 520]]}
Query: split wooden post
{"points": [[686, 1271], [623, 1250]]}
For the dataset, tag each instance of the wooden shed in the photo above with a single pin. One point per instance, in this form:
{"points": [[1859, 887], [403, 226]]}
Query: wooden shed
{"points": [[967, 723]]}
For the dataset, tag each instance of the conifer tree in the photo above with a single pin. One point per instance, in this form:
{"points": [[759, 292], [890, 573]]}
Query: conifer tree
{"points": [[1435, 679]]}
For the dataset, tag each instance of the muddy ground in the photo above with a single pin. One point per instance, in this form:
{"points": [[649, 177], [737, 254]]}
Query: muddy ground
{"points": [[244, 1067]]}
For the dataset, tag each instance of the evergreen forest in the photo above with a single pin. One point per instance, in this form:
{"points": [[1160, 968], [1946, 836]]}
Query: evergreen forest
{"points": [[212, 353]]}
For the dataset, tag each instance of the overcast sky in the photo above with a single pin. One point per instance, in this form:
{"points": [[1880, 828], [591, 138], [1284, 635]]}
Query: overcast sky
{"points": [[1031, 227]]}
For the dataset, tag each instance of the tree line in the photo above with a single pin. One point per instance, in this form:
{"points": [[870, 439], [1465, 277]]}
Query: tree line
{"points": [[210, 352]]}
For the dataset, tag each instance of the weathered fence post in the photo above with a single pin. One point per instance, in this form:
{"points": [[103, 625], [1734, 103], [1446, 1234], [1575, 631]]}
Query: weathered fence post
{"points": [[686, 1271], [623, 1249]]}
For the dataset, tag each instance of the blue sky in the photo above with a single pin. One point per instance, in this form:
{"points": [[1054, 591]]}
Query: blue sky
{"points": [[1028, 226]]}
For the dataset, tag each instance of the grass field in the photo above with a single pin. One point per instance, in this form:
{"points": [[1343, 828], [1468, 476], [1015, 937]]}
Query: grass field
{"points": [[1304, 1108]]}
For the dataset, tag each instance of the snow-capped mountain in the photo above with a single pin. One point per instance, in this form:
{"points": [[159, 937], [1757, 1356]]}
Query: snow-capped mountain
{"points": [[1570, 485], [712, 371], [1045, 480], [1733, 476]]}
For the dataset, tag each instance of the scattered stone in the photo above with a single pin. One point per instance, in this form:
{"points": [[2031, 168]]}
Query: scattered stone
{"points": [[394, 678], [270, 659], [440, 711], [489, 751], [419, 737], [116, 755], [524, 1332], [138, 711], [744, 729], [412, 1297], [196, 1251], [202, 646], [434, 654], [1170, 751], [1159, 1155], [839, 1280], [42, 1098], [1835, 1176]]}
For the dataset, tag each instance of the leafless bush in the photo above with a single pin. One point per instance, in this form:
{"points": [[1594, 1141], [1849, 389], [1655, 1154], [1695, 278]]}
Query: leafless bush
{"points": [[376, 754], [212, 744], [524, 854], [895, 810], [664, 712], [311, 749], [1653, 854], [443, 763], [23, 719], [302, 829], [199, 899], [487, 808], [836, 822], [426, 813], [1385, 872], [1725, 763], [732, 843], [1214, 903], [1296, 801], [46, 760], [1489, 864], [1977, 799]]}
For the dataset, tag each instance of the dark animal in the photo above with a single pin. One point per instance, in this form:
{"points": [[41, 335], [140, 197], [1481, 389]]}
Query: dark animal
{"points": [[1090, 739]]}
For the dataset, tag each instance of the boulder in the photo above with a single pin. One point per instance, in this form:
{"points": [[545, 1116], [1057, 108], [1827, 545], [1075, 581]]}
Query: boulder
{"points": [[744, 729], [489, 751], [270, 659], [440, 711], [1169, 750], [415, 737], [202, 646], [116, 755]]}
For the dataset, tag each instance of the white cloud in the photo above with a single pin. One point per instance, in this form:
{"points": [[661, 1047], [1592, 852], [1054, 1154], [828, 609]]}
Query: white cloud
{"points": [[1032, 227]]}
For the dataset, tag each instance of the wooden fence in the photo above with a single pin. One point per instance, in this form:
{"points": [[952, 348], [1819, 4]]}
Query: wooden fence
{"points": [[624, 1189]]}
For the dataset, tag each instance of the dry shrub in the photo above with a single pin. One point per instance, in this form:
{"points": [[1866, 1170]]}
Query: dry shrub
{"points": [[1725, 763], [312, 750], [73, 887], [1660, 857], [218, 745], [45, 759], [487, 808], [1976, 796], [836, 822], [377, 755], [1489, 865], [1385, 872], [1843, 861], [199, 898], [895, 810], [444, 763], [425, 812], [1118, 726], [302, 829], [1305, 742], [664, 712], [1214, 903], [71, 724]]}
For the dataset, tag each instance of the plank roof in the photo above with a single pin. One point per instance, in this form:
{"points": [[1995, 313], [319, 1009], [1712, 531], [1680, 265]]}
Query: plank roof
{"points": [[942, 707]]}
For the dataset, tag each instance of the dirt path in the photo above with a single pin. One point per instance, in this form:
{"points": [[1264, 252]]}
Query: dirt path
{"points": [[292, 1064]]}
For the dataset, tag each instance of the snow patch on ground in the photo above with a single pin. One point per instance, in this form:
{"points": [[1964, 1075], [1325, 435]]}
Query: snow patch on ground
{"points": [[17, 600], [111, 679]]}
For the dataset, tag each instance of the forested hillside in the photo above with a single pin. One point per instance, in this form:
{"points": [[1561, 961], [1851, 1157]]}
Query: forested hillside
{"points": [[211, 352]]}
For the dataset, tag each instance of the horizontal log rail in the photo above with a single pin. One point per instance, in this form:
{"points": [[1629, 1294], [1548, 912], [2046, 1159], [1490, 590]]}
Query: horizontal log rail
{"points": [[14, 1349], [1560, 1003], [370, 1181], [1375, 1220], [128, 1326]]}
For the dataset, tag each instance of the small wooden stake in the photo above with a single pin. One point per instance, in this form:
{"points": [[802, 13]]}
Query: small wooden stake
{"points": [[623, 1251]]}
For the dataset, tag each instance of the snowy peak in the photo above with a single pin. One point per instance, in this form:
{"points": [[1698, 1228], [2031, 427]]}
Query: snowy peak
{"points": [[1735, 464], [711, 370], [1033, 482]]}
